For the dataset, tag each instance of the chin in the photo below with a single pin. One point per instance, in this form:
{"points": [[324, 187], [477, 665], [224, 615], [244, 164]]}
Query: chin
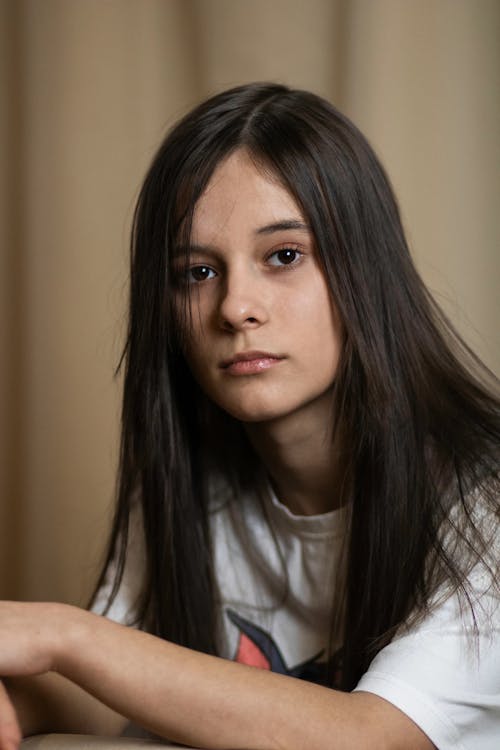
{"points": [[256, 411]]}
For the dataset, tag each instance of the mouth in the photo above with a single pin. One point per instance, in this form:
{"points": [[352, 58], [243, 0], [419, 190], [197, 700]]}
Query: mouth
{"points": [[250, 363]]}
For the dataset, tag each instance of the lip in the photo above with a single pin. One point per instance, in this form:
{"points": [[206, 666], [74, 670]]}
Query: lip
{"points": [[250, 363]]}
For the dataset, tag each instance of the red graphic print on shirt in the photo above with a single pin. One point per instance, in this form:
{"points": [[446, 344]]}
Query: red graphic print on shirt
{"points": [[256, 648]]}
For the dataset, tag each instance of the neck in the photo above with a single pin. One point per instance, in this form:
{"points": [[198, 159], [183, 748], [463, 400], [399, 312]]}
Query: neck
{"points": [[303, 462]]}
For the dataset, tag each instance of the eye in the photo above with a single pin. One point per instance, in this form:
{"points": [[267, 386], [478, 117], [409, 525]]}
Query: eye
{"points": [[287, 256], [197, 274]]}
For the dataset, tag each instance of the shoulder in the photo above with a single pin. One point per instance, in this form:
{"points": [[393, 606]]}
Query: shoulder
{"points": [[443, 670]]}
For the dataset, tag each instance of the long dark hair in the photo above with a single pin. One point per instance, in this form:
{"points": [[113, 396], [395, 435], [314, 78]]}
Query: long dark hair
{"points": [[415, 407]]}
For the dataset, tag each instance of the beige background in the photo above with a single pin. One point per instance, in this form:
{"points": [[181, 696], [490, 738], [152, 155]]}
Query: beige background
{"points": [[87, 89]]}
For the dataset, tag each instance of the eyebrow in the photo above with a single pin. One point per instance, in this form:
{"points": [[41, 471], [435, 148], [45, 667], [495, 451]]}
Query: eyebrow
{"points": [[277, 226], [281, 226]]}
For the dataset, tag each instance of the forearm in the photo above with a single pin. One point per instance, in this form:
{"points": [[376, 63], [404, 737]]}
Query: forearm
{"points": [[176, 692], [207, 701]]}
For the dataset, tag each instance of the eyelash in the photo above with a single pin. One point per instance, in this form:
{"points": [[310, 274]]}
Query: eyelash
{"points": [[284, 266]]}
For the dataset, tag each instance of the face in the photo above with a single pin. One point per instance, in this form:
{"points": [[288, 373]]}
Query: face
{"points": [[264, 341]]}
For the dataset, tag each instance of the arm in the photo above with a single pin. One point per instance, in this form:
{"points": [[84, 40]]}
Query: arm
{"points": [[191, 697]]}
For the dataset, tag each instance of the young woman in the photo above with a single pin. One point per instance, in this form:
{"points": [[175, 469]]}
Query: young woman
{"points": [[309, 473]]}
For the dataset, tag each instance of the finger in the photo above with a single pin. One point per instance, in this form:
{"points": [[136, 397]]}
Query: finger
{"points": [[10, 731]]}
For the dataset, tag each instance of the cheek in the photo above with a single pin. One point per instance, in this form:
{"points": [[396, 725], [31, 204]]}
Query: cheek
{"points": [[319, 322], [189, 318], [201, 313], [329, 348], [197, 352]]}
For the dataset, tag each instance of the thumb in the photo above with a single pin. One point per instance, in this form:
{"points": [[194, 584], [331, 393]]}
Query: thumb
{"points": [[10, 731]]}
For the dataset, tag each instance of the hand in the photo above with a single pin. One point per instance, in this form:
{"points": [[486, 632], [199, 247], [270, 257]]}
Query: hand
{"points": [[31, 637], [10, 731]]}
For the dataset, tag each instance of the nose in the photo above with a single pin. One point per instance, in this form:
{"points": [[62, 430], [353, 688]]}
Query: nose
{"points": [[243, 303]]}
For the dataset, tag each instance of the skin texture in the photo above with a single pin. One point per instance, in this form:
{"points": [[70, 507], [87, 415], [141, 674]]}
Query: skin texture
{"points": [[254, 287], [246, 295], [190, 697]]}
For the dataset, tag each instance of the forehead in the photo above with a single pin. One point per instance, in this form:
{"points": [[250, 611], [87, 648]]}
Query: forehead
{"points": [[241, 196]]}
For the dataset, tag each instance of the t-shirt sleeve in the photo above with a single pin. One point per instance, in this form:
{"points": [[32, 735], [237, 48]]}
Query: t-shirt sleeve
{"points": [[445, 678]]}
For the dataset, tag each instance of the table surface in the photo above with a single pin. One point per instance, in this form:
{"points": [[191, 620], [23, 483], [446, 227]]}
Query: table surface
{"points": [[91, 742]]}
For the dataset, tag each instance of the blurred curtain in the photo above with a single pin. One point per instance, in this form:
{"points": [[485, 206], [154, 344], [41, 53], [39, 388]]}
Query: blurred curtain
{"points": [[87, 90]]}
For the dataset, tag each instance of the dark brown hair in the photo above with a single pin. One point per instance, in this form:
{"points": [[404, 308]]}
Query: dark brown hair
{"points": [[419, 421]]}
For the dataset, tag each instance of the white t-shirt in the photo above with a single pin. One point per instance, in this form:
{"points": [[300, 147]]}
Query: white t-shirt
{"points": [[274, 578]]}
